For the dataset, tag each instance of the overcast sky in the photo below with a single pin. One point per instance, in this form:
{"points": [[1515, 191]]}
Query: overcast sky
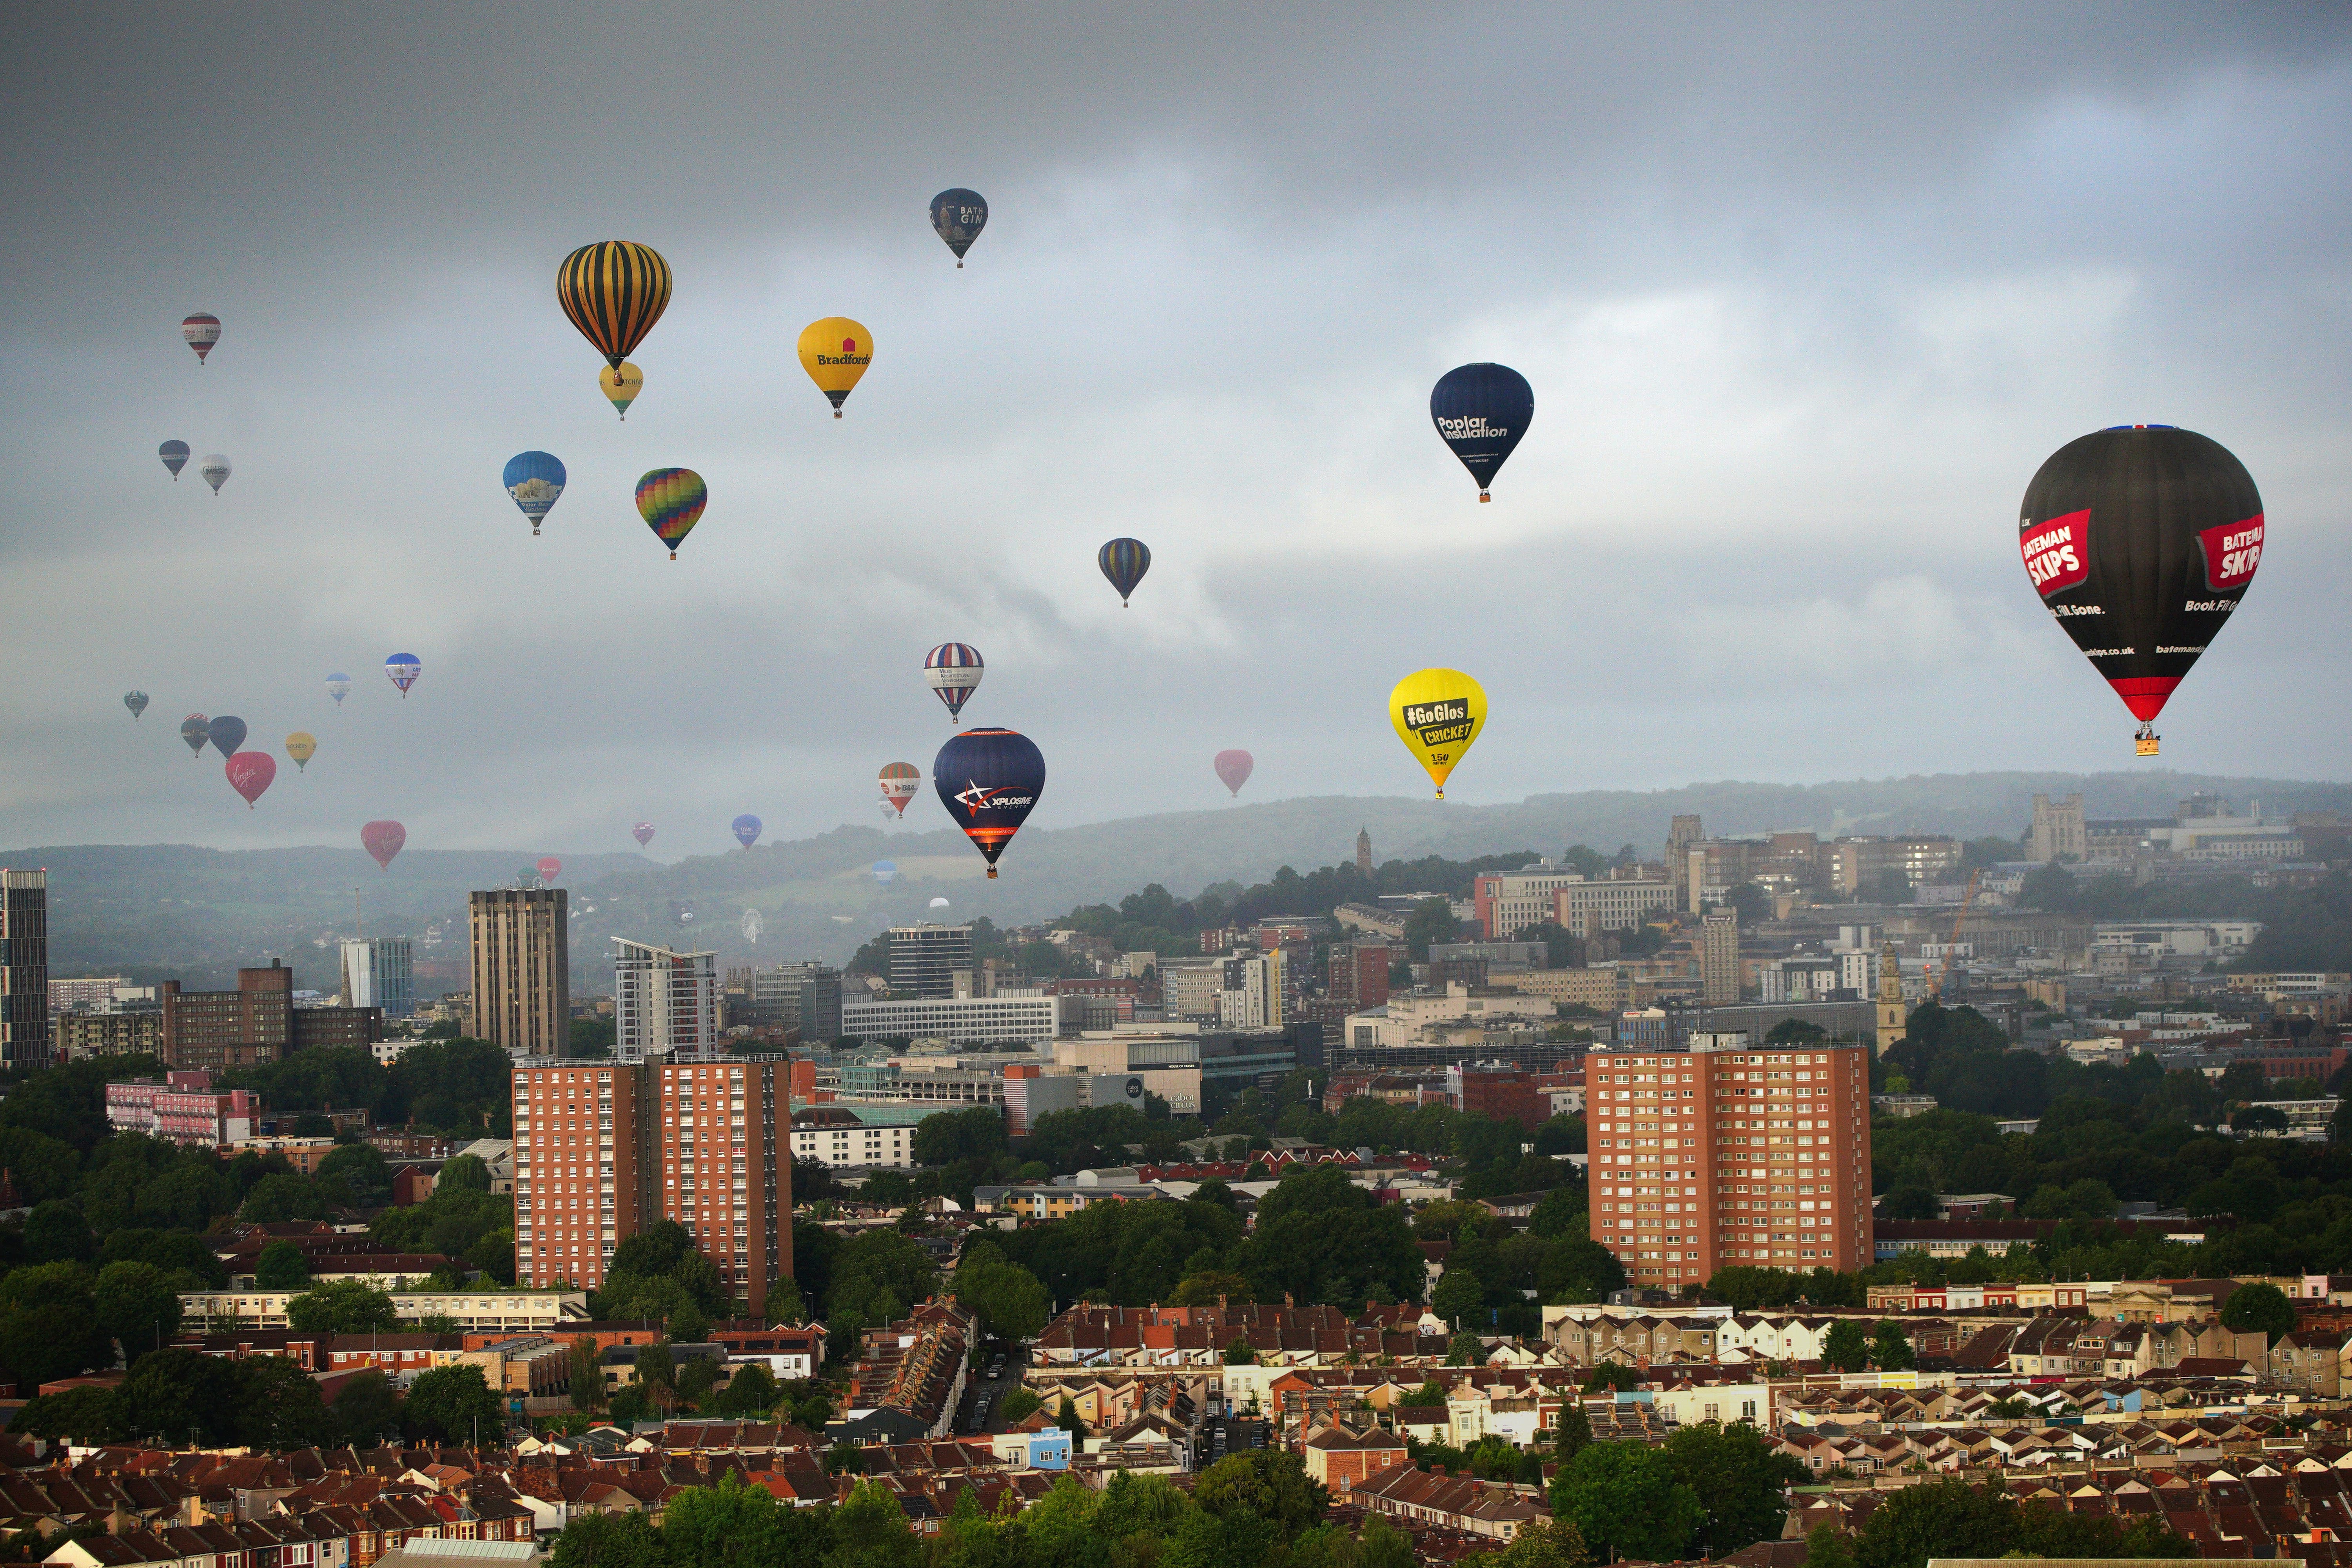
{"points": [[1806, 296]]}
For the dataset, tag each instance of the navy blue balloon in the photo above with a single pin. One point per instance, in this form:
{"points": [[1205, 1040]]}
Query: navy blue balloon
{"points": [[228, 734], [990, 780], [1481, 411]]}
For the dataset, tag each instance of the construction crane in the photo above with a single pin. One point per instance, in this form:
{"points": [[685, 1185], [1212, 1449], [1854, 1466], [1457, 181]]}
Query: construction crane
{"points": [[1952, 948]]}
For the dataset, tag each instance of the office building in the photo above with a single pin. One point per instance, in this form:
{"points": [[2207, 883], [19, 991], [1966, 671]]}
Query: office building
{"points": [[1718, 959], [819, 1006], [380, 971], [87, 994], [727, 1168], [1729, 1153], [925, 957], [2057, 830], [523, 969], [1189, 989], [587, 1167], [133, 1031], [1359, 973], [24, 969], [663, 1001], [990, 1021]]}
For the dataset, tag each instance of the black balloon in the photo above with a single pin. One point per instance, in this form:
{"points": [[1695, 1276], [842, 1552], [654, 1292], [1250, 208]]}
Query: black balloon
{"points": [[2141, 540], [989, 780], [1481, 411], [227, 734], [959, 216]]}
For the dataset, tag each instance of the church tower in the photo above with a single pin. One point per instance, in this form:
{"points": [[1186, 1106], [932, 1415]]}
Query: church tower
{"points": [[1363, 852], [1893, 1020]]}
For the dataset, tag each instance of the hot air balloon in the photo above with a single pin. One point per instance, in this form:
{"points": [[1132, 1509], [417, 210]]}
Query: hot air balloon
{"points": [[200, 332], [899, 783], [213, 471], [1234, 768], [1437, 713], [953, 671], [889, 812], [989, 780], [620, 385], [384, 840], [643, 833], [752, 925], [942, 903], [338, 685], [2141, 540], [835, 353], [136, 701], [249, 773], [302, 745], [549, 868], [746, 830], [227, 734], [1123, 562], [196, 731], [1481, 411], [959, 216], [401, 670], [175, 457], [885, 871], [614, 290], [535, 480], [671, 501]]}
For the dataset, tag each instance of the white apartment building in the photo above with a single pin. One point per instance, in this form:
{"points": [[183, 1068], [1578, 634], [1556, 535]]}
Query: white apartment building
{"points": [[663, 1001], [841, 1141], [1400, 1020], [1031, 1021]]}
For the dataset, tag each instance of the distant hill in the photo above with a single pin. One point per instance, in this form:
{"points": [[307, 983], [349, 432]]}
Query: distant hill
{"points": [[198, 913]]}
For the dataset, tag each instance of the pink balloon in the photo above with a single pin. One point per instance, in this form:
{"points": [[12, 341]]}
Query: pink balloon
{"points": [[1234, 768], [549, 868], [384, 840], [249, 773], [643, 833]]}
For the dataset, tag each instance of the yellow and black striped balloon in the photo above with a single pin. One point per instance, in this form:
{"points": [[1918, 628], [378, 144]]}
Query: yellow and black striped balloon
{"points": [[614, 290]]}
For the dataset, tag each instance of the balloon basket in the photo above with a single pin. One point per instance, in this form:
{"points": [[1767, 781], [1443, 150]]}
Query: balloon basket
{"points": [[837, 414], [2144, 743], [992, 873]]}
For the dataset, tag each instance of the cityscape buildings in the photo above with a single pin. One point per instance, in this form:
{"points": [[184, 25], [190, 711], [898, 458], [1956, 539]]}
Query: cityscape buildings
{"points": [[663, 1001], [925, 957], [380, 971], [254, 1025], [522, 970]]}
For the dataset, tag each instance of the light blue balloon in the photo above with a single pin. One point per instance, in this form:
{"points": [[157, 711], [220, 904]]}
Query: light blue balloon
{"points": [[535, 480]]}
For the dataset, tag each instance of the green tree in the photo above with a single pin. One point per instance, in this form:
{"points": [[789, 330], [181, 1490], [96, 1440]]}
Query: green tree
{"points": [[1740, 1483], [454, 1403], [751, 1392], [869, 1531], [1020, 1404], [367, 1410], [1459, 1297], [2259, 1309], [1067, 1417], [1010, 1301], [1466, 1349], [1936, 1519], [1432, 920], [1626, 1500], [57, 1232], [1270, 1483], [610, 1541], [1846, 1347], [48, 1324], [341, 1307], [1826, 1546], [1541, 1543], [463, 1174], [1575, 1433], [1890, 1350], [281, 1267], [138, 1307]]}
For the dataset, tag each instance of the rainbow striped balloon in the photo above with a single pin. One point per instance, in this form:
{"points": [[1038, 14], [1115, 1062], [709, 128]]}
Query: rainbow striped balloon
{"points": [[671, 501]]}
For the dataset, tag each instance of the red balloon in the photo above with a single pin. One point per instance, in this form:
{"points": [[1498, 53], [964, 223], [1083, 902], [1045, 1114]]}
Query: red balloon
{"points": [[549, 868], [384, 840], [249, 773], [1234, 768]]}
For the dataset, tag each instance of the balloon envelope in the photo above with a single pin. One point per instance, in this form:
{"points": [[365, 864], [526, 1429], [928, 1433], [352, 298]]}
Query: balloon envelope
{"points": [[535, 480], [549, 868], [953, 671], [175, 457], [614, 290], [136, 701], [1234, 768], [643, 833], [249, 773], [227, 734], [338, 685], [384, 840], [752, 925], [957, 216], [989, 781], [301, 746], [213, 471], [200, 332], [899, 783], [1481, 411], [671, 501], [883, 871], [620, 385], [942, 903], [403, 668], [835, 352], [195, 729], [746, 830], [1123, 562], [1437, 714], [2141, 540]]}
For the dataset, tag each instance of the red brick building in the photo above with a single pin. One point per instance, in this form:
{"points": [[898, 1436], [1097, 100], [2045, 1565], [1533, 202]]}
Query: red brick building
{"points": [[1497, 1091], [1340, 1459], [1360, 973]]}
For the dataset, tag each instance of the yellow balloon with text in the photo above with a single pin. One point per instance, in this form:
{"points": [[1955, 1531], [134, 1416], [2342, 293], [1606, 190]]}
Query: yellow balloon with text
{"points": [[302, 745], [620, 385], [835, 353], [1437, 713]]}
